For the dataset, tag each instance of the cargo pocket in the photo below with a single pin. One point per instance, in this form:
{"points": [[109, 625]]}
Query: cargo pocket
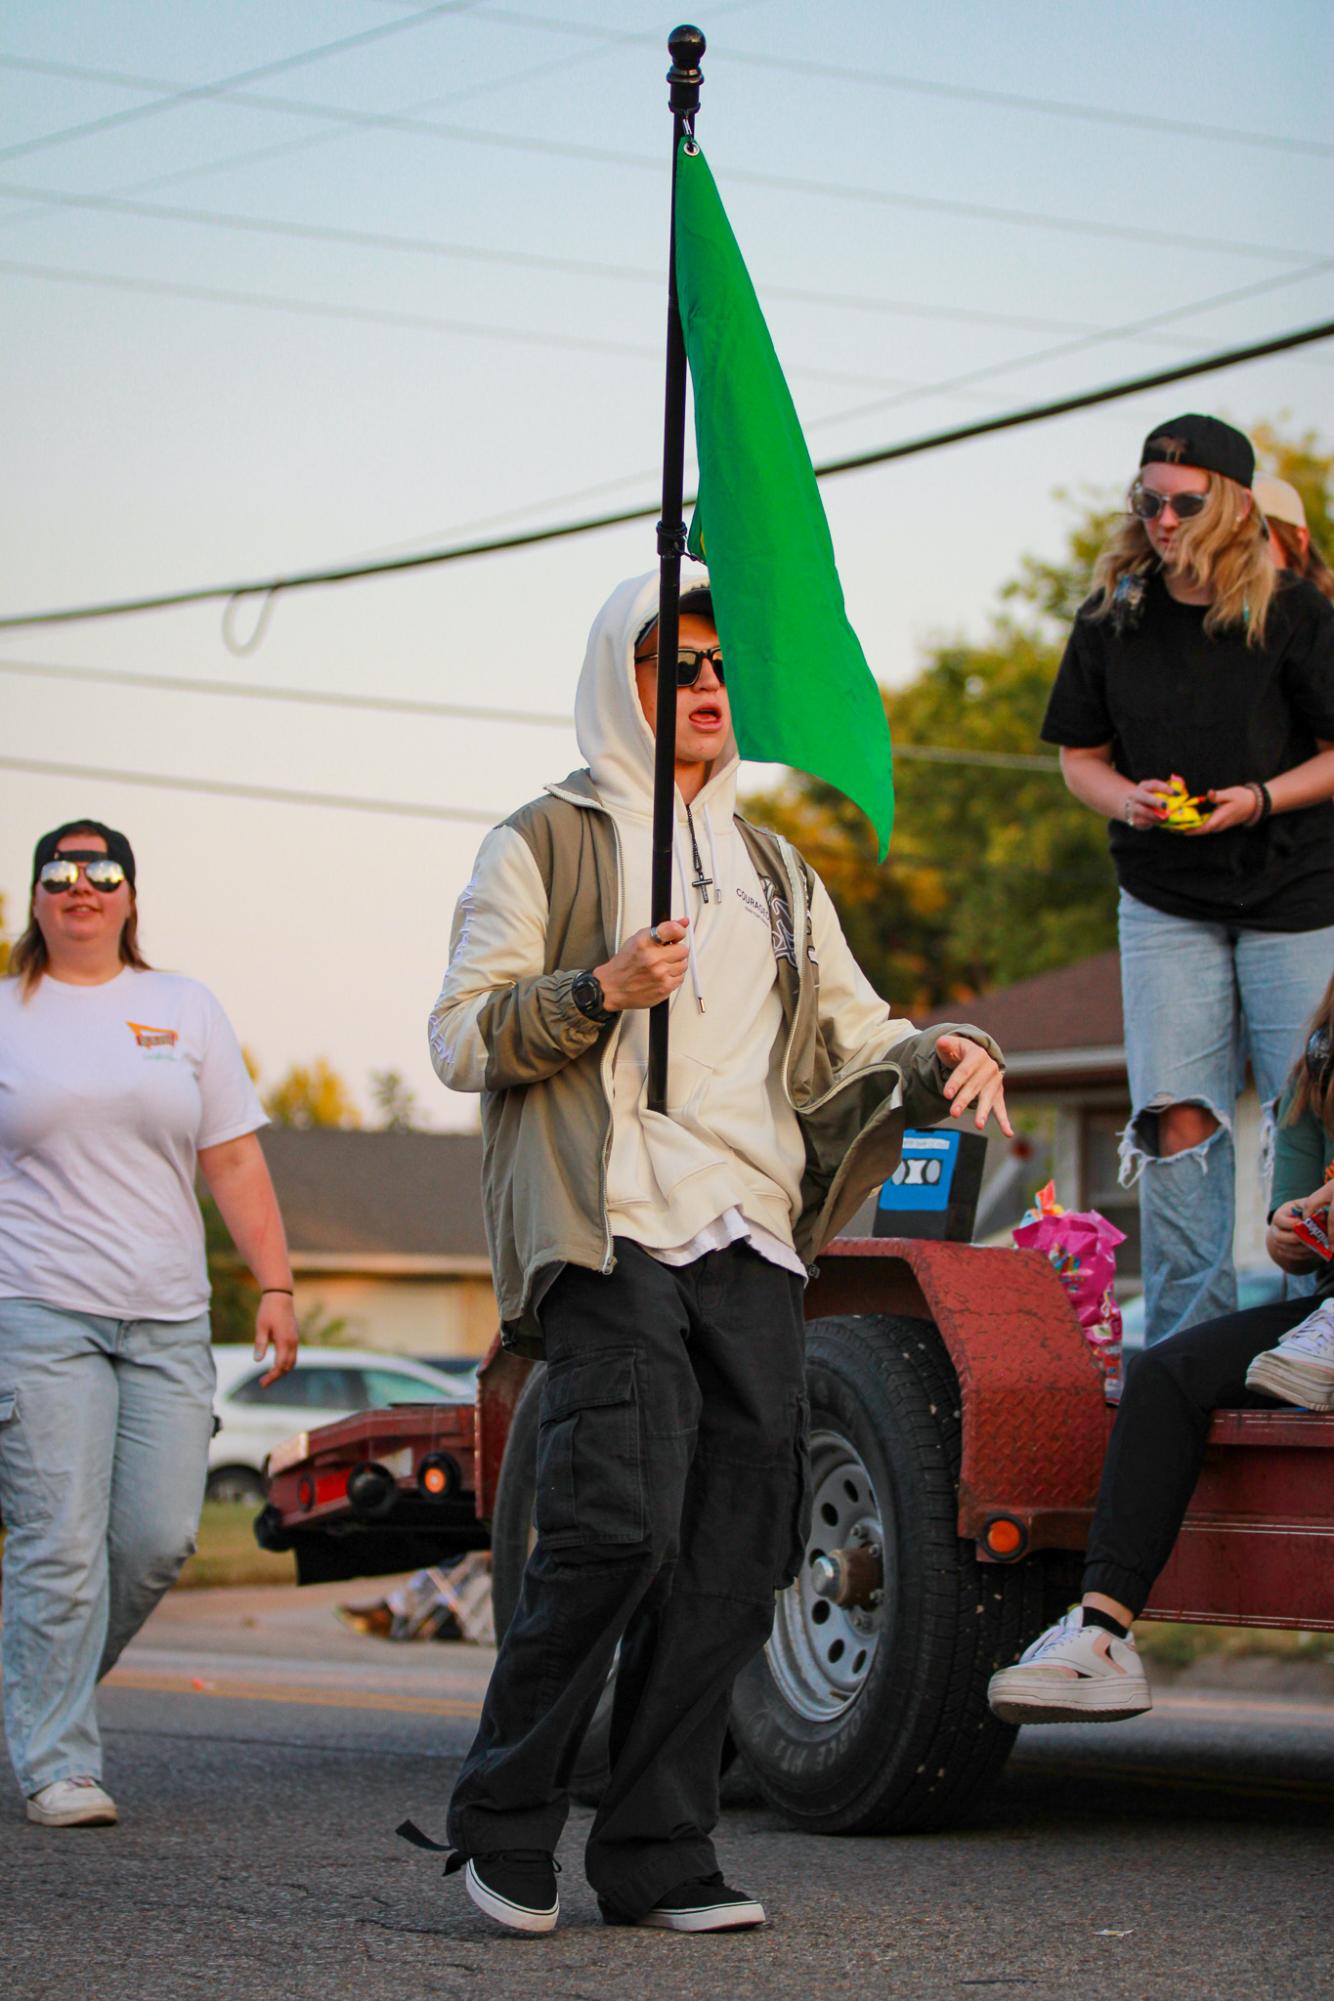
{"points": [[24, 1500], [590, 1481], [802, 1496]]}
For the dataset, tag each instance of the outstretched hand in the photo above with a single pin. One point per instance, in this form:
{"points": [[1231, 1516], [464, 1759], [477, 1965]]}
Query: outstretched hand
{"points": [[975, 1078]]}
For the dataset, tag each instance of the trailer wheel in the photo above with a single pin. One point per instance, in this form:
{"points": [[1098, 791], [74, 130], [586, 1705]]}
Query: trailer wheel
{"points": [[866, 1713], [511, 1539]]}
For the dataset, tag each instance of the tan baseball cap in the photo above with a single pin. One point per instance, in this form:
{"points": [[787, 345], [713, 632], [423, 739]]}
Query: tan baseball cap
{"points": [[1278, 501]]}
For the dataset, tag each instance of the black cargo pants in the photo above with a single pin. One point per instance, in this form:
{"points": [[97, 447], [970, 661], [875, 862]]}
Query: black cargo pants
{"points": [[671, 1491]]}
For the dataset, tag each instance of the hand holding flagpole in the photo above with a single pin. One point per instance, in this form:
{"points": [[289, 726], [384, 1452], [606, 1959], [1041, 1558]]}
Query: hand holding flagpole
{"points": [[686, 46]]}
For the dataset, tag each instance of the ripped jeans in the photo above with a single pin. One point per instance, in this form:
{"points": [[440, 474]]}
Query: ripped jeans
{"points": [[1199, 999]]}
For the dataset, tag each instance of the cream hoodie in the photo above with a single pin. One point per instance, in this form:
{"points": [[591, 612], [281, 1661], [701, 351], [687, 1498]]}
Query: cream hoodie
{"points": [[731, 1145], [729, 1141]]}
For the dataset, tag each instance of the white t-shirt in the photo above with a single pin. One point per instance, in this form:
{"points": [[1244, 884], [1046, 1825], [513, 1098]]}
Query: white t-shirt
{"points": [[106, 1095]]}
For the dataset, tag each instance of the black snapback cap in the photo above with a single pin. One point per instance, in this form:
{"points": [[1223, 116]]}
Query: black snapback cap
{"points": [[118, 847], [1206, 443]]}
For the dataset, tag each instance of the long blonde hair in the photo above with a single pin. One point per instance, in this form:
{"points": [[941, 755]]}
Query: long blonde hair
{"points": [[1223, 549]]}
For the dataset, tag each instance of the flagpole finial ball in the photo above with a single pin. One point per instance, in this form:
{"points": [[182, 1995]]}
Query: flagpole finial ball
{"points": [[686, 46]]}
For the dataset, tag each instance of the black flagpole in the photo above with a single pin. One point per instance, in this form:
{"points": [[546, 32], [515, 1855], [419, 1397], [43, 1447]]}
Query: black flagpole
{"points": [[686, 46]]}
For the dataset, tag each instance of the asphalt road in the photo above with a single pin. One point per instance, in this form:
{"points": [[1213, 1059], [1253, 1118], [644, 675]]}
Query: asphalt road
{"points": [[262, 1757]]}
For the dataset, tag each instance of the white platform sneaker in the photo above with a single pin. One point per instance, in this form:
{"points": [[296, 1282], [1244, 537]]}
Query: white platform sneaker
{"points": [[1300, 1369], [73, 1803], [1072, 1673]]}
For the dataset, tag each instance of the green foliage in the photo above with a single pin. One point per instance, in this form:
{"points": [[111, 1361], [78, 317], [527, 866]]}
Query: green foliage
{"points": [[311, 1094], [1304, 465], [235, 1296], [396, 1105], [996, 873]]}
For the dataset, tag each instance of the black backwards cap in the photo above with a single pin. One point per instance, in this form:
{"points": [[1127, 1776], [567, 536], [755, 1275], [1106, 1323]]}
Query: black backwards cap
{"points": [[118, 847], [696, 598], [1206, 443]]}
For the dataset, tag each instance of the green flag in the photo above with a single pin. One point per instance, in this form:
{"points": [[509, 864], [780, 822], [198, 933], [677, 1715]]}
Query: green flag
{"points": [[801, 690]]}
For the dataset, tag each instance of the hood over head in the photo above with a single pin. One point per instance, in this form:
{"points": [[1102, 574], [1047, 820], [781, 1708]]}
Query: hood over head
{"points": [[614, 736]]}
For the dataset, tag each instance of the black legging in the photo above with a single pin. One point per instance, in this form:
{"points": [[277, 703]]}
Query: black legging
{"points": [[1157, 1443]]}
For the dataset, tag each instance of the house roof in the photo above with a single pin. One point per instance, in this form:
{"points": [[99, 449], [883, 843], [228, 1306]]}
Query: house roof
{"points": [[400, 1201], [1055, 1021]]}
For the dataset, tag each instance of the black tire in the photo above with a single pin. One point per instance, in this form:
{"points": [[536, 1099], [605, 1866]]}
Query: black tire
{"points": [[511, 1540], [236, 1483], [889, 1733]]}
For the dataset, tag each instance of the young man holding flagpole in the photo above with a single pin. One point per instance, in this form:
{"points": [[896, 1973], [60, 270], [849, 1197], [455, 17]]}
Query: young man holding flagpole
{"points": [[656, 1260]]}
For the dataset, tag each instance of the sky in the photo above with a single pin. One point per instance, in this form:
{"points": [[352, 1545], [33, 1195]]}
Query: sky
{"points": [[408, 289]]}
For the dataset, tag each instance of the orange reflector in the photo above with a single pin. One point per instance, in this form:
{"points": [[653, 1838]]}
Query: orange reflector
{"points": [[1004, 1538], [435, 1479]]}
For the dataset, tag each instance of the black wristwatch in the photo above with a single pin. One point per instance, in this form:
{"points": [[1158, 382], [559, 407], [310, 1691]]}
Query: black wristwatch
{"points": [[586, 992]]}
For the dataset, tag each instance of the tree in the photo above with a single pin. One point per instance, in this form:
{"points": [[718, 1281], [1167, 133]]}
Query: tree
{"points": [[235, 1296], [1303, 463], [396, 1105], [311, 1094], [996, 873]]}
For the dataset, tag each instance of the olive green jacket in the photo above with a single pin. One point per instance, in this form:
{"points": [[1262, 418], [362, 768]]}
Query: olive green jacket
{"points": [[546, 890]]}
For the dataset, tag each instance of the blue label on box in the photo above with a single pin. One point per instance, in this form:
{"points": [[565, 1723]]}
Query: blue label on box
{"points": [[923, 1178]]}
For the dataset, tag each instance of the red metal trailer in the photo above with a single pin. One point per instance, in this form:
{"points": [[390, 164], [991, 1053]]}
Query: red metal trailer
{"points": [[958, 1426]]}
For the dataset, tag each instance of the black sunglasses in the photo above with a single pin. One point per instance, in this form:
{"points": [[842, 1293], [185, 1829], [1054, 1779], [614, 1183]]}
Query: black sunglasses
{"points": [[1319, 1060], [1148, 504], [690, 663], [62, 874]]}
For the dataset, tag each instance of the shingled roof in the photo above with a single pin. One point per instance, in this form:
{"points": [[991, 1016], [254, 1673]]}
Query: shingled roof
{"points": [[1056, 1023], [407, 1202]]}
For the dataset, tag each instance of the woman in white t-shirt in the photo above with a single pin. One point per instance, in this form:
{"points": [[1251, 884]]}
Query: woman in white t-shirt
{"points": [[116, 1083]]}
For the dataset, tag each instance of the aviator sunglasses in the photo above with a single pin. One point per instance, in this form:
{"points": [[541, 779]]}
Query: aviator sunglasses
{"points": [[690, 663], [1148, 505], [63, 873]]}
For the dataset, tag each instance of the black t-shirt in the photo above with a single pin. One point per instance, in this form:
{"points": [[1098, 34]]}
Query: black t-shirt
{"points": [[1170, 699]]}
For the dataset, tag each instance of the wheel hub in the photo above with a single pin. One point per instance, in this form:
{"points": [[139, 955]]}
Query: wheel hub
{"points": [[828, 1624]]}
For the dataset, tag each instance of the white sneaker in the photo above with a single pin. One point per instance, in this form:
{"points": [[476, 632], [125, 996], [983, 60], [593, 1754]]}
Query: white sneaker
{"points": [[1301, 1369], [73, 1803], [1072, 1673]]}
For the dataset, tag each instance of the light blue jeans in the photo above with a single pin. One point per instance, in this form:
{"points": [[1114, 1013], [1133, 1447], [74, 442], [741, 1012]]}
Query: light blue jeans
{"points": [[104, 1434], [1199, 999]]}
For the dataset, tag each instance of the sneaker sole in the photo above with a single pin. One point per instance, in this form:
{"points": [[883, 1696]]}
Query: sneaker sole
{"points": [[516, 1917], [1292, 1384], [1083, 1702], [73, 1816], [706, 1918]]}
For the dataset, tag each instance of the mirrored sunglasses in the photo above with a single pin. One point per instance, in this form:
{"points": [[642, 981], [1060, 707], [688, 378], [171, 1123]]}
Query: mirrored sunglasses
{"points": [[100, 871]]}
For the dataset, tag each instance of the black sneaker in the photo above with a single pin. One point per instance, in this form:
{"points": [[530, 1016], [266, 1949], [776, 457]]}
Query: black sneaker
{"points": [[516, 1887], [704, 1905]]}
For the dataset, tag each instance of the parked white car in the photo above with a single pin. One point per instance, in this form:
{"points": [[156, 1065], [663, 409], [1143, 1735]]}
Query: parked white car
{"points": [[326, 1384]]}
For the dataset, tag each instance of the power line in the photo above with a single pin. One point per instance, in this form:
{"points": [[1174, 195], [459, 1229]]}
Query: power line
{"points": [[133, 114], [397, 705], [324, 309], [890, 80], [785, 183], [349, 573], [224, 788], [582, 267], [118, 677]]}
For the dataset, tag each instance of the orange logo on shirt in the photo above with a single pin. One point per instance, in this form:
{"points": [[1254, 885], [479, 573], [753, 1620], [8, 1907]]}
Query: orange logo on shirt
{"points": [[152, 1038]]}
